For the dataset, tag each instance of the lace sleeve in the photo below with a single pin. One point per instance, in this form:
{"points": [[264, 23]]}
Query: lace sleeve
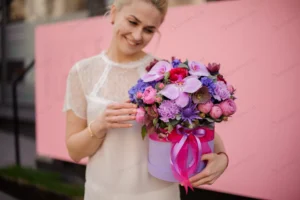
{"points": [[75, 96]]}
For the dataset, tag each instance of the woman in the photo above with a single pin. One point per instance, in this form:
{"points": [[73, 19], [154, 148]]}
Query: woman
{"points": [[101, 121]]}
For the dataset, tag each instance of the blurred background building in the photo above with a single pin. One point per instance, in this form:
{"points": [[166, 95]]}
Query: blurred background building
{"points": [[18, 21]]}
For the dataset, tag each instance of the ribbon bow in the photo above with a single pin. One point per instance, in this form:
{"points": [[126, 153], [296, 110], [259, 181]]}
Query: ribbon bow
{"points": [[183, 138]]}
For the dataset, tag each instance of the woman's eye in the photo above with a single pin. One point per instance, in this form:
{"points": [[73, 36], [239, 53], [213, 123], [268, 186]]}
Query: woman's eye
{"points": [[132, 22], [149, 31]]}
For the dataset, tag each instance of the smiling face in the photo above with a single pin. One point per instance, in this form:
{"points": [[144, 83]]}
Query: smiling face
{"points": [[134, 26]]}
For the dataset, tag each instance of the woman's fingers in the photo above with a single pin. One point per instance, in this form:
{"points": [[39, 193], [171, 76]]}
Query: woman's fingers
{"points": [[124, 111], [119, 125], [118, 113], [207, 180], [121, 118], [116, 106], [162, 135], [203, 174]]}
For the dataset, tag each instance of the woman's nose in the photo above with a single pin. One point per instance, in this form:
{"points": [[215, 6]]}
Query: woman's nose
{"points": [[137, 35]]}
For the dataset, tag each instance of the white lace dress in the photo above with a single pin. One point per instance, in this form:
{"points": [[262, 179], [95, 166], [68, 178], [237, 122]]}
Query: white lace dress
{"points": [[118, 170]]}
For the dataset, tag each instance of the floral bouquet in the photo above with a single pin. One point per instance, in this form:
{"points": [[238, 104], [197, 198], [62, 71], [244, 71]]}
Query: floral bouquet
{"points": [[178, 105]]}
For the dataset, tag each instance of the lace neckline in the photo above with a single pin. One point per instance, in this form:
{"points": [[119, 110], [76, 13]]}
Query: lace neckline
{"points": [[133, 64]]}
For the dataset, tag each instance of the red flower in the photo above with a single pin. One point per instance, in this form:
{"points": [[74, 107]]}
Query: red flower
{"points": [[213, 68], [221, 78], [178, 74], [148, 68]]}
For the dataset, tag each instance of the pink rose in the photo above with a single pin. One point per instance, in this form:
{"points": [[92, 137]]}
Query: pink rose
{"points": [[230, 89], [140, 115], [158, 99], [161, 86], [228, 107], [205, 107], [139, 95], [216, 112], [149, 95]]}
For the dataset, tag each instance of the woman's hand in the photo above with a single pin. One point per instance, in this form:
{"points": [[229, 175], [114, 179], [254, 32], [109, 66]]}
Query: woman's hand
{"points": [[117, 115], [216, 165]]}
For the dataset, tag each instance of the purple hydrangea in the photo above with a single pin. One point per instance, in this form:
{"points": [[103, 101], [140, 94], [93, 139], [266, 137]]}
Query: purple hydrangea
{"points": [[168, 110], [221, 91], [139, 87], [208, 82]]}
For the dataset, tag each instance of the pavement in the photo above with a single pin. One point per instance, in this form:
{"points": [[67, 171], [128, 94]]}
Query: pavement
{"points": [[4, 196], [7, 153]]}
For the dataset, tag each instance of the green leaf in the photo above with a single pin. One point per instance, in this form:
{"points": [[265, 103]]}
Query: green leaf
{"points": [[210, 120], [212, 77], [155, 121], [219, 120], [144, 131], [163, 124], [182, 65], [211, 125], [178, 117], [173, 122], [186, 62], [170, 127], [167, 75]]}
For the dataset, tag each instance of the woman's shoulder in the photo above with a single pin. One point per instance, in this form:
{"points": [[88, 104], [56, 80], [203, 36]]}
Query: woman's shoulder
{"points": [[88, 71], [89, 63]]}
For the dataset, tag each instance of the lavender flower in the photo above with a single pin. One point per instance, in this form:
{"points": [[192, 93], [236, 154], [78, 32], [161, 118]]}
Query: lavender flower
{"points": [[168, 110], [139, 87], [208, 82], [221, 91]]}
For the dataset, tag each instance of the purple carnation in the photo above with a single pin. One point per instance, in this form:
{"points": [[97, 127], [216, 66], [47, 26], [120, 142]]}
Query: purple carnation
{"points": [[139, 87], [168, 110], [221, 91]]}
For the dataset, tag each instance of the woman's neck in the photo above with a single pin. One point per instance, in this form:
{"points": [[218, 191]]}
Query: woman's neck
{"points": [[119, 57]]}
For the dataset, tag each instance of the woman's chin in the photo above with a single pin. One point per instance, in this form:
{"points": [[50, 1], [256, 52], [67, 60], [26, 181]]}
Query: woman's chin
{"points": [[129, 50]]}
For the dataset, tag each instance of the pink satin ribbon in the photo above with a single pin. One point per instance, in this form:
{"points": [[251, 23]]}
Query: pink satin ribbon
{"points": [[182, 138]]}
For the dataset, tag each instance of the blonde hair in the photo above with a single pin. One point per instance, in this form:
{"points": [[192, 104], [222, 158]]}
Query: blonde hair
{"points": [[161, 5]]}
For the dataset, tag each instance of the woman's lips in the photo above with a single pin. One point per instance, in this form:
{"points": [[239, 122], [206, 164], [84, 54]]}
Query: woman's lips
{"points": [[131, 43]]}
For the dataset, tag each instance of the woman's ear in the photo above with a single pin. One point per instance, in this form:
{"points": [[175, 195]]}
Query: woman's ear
{"points": [[113, 12]]}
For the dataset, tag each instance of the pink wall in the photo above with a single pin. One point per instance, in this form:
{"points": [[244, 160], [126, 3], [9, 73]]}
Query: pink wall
{"points": [[258, 44]]}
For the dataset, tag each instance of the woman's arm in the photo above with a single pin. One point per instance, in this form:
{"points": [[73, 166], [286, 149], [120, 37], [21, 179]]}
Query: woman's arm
{"points": [[219, 147], [218, 144], [216, 165], [78, 140]]}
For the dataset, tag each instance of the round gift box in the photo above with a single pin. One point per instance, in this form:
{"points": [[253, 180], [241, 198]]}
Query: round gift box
{"points": [[159, 164]]}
